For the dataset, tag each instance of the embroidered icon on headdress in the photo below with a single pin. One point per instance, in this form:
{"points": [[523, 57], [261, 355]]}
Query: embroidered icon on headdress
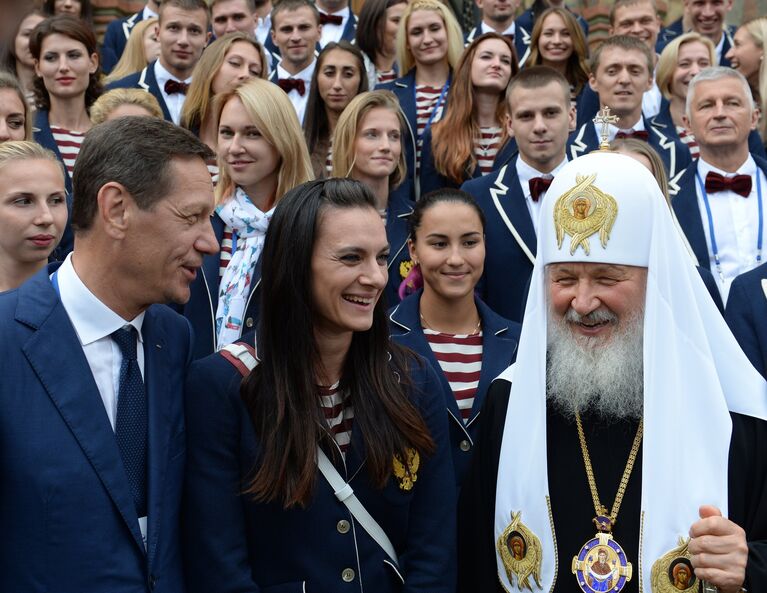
{"points": [[521, 553], [673, 571], [407, 476], [583, 211]]}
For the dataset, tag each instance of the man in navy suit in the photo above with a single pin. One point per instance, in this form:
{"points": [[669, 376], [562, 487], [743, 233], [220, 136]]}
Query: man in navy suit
{"points": [[183, 35], [118, 32], [93, 441], [719, 199], [498, 17], [621, 73], [706, 17], [540, 117]]}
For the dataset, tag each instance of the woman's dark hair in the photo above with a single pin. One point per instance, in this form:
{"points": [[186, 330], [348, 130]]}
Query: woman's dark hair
{"points": [[74, 29], [8, 52], [438, 196], [281, 393], [86, 10], [316, 125], [370, 25]]}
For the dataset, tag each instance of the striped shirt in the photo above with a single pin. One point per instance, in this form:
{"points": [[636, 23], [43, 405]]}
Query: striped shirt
{"points": [[460, 358], [339, 413], [384, 76], [486, 148], [68, 143], [225, 255], [689, 141], [426, 98]]}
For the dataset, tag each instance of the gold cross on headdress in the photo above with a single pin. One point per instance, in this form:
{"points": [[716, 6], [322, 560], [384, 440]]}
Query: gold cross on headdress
{"points": [[604, 119]]}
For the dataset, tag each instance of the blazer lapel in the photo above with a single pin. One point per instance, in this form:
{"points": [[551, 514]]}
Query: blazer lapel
{"points": [[513, 210], [70, 385], [685, 204], [582, 141], [148, 82]]}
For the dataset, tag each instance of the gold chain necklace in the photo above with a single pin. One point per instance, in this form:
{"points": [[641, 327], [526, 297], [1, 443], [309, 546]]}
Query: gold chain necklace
{"points": [[601, 564], [474, 332]]}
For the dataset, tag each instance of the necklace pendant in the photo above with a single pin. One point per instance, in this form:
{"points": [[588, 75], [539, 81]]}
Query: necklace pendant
{"points": [[603, 523], [601, 564]]}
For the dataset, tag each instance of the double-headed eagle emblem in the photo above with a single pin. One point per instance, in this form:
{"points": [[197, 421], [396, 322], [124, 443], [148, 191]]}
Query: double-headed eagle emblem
{"points": [[583, 211]]}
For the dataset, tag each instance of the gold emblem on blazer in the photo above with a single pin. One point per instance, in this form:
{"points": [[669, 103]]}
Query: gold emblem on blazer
{"points": [[405, 267], [582, 212], [407, 473], [521, 553], [673, 571]]}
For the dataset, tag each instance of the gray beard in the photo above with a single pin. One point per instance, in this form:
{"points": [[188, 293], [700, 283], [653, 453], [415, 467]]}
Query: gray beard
{"points": [[585, 375]]}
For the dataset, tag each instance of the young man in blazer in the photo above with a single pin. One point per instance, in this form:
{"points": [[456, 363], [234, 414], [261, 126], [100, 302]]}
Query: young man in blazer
{"points": [[540, 118], [91, 397]]}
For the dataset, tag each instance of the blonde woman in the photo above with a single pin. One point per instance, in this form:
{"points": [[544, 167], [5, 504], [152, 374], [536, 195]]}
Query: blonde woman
{"points": [[367, 147], [15, 112], [225, 64], [141, 49], [33, 210], [747, 57], [123, 102], [261, 154], [429, 46]]}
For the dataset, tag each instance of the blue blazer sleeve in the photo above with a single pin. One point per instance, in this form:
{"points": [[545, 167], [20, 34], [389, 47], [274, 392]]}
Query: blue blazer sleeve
{"points": [[743, 312]]}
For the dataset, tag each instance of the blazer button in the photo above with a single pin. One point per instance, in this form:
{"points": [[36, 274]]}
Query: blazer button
{"points": [[464, 445], [343, 526], [347, 575], [249, 322]]}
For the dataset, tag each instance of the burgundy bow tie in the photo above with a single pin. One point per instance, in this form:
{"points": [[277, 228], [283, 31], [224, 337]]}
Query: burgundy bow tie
{"points": [[638, 134], [740, 184], [290, 84], [538, 185], [331, 19], [509, 36], [174, 86]]}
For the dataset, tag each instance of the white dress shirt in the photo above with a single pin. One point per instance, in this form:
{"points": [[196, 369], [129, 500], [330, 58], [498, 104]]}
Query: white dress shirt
{"points": [[148, 13], [299, 102], [485, 28], [333, 32], [263, 28], [720, 47], [736, 224], [525, 173], [175, 101], [612, 131], [651, 100]]}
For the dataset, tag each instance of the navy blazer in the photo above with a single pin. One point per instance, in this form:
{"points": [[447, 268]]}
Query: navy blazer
{"points": [[68, 515], [432, 179], [202, 305], [398, 213], [500, 338], [44, 137], [116, 37], [672, 151], [510, 242], [145, 80], [235, 544], [685, 203], [521, 41], [746, 314], [674, 30]]}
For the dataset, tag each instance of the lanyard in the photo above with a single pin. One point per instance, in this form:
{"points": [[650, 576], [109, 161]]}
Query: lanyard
{"points": [[714, 247], [434, 110]]}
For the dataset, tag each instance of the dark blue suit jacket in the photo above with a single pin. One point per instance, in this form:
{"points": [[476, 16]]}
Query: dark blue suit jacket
{"points": [[521, 41], [44, 137], [201, 307], [674, 154], [235, 544], [509, 239], [143, 80], [746, 314], [398, 213], [115, 39], [431, 179], [500, 338], [674, 30], [685, 203], [67, 512]]}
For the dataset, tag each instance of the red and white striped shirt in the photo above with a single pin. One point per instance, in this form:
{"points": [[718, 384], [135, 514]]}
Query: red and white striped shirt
{"points": [[460, 358], [486, 148], [688, 139], [68, 143], [384, 76], [226, 251], [339, 413], [426, 98]]}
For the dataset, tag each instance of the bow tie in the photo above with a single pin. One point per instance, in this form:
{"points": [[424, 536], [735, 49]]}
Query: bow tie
{"points": [[174, 86], [509, 36], [740, 184], [538, 185], [638, 134], [331, 19], [290, 84]]}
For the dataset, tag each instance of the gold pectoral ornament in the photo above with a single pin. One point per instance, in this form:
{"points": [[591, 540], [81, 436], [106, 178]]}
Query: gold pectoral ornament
{"points": [[601, 564], [673, 571], [521, 553]]}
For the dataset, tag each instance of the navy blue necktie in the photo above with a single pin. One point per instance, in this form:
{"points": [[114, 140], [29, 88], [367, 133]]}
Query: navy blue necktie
{"points": [[131, 430]]}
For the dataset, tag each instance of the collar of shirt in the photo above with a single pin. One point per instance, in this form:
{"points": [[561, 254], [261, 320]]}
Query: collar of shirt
{"points": [[485, 28], [612, 130], [163, 76], [720, 47], [91, 318], [148, 13], [747, 168], [525, 173], [263, 26], [305, 74]]}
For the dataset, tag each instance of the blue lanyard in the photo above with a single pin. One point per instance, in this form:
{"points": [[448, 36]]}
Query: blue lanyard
{"points": [[711, 233], [433, 111]]}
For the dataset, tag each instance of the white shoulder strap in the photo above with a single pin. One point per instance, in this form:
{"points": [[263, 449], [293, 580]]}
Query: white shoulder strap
{"points": [[345, 494]]}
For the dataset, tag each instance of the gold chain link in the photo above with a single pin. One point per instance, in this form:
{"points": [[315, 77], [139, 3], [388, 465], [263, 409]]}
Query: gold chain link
{"points": [[598, 507]]}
